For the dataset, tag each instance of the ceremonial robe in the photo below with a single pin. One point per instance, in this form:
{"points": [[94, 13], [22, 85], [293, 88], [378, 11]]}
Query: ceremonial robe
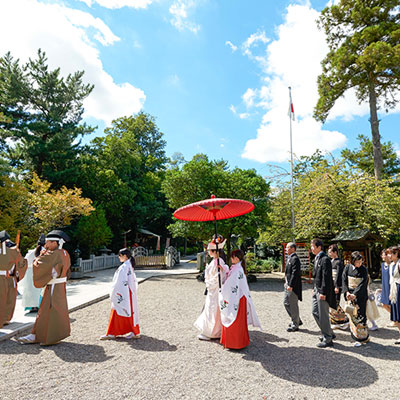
{"points": [[237, 309], [52, 322], [30, 294], [12, 270], [124, 316], [209, 322]]}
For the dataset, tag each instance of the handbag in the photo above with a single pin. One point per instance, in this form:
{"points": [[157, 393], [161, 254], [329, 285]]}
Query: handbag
{"points": [[350, 309]]}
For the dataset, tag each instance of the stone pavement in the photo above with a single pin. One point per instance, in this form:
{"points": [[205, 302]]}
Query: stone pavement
{"points": [[89, 290]]}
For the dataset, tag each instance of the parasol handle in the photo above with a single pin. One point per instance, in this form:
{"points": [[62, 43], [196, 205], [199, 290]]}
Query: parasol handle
{"points": [[216, 245]]}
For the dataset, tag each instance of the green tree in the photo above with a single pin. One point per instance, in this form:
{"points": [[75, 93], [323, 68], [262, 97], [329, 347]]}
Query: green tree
{"points": [[364, 53], [42, 113], [330, 198], [198, 179], [92, 231], [363, 158], [122, 172]]}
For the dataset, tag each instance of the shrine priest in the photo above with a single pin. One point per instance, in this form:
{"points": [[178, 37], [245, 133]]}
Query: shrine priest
{"points": [[50, 271], [12, 270]]}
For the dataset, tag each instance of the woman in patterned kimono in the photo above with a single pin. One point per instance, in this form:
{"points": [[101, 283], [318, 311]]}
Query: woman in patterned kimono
{"points": [[209, 322], [338, 317], [395, 289], [237, 308], [355, 289], [124, 318]]}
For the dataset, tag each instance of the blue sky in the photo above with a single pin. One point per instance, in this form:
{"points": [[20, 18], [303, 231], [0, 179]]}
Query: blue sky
{"points": [[214, 74]]}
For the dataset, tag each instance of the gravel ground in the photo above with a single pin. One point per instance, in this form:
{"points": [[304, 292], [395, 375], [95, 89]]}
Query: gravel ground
{"points": [[169, 362]]}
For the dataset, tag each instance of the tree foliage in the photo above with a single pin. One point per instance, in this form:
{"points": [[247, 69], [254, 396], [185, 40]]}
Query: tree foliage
{"points": [[122, 172], [41, 118], [198, 179], [92, 231], [330, 198], [362, 157], [364, 53]]}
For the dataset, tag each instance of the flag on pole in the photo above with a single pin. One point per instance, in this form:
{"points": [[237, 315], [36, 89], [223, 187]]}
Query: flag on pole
{"points": [[291, 108]]}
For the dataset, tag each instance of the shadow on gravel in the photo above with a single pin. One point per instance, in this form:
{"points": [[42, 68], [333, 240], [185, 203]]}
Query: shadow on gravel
{"points": [[13, 347], [79, 352], [374, 350], [148, 343], [309, 366]]}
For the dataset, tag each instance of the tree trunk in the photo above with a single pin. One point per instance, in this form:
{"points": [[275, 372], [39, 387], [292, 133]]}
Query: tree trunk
{"points": [[376, 137]]}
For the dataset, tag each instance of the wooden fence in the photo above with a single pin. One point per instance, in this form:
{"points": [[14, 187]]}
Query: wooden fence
{"points": [[170, 258]]}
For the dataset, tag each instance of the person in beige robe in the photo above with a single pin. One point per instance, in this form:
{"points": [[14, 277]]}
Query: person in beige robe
{"points": [[50, 271], [12, 269]]}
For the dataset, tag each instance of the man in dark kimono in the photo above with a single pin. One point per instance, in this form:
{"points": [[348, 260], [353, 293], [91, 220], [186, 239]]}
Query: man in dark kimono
{"points": [[12, 269], [293, 287], [323, 295], [50, 270]]}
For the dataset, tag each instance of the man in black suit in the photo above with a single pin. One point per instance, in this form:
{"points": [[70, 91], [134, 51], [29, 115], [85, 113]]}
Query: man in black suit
{"points": [[323, 295], [292, 287]]}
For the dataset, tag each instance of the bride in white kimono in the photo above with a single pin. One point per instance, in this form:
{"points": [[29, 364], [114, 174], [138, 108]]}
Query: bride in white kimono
{"points": [[209, 322]]}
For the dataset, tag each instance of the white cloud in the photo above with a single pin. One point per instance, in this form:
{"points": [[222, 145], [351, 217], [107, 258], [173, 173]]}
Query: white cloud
{"points": [[70, 39], [249, 97], [180, 11], [293, 59], [113, 4], [231, 45]]}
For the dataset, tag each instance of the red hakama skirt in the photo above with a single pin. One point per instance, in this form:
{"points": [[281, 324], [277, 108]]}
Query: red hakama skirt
{"points": [[237, 335], [119, 325]]}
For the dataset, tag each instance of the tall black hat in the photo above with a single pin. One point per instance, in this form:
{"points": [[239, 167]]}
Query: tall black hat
{"points": [[42, 240], [57, 235], [4, 236]]}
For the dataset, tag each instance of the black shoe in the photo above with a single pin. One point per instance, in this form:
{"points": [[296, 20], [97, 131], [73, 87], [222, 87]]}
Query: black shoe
{"points": [[321, 338], [292, 329], [324, 344], [301, 322]]}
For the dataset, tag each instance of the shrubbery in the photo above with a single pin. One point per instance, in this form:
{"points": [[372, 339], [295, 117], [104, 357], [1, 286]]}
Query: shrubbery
{"points": [[255, 265]]}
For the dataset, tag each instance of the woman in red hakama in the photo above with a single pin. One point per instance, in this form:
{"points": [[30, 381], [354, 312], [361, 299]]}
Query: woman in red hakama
{"points": [[237, 309], [124, 318]]}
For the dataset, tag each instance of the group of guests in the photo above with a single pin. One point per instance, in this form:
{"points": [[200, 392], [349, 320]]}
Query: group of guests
{"points": [[331, 279]]}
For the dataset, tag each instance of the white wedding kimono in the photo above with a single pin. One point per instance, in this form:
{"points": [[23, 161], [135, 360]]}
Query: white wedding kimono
{"points": [[233, 289], [209, 321], [30, 294], [123, 280]]}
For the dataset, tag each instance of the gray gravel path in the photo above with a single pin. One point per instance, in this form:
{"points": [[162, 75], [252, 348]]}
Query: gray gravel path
{"points": [[169, 362]]}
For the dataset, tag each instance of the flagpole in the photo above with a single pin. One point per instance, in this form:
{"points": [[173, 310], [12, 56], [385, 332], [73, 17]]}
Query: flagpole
{"points": [[291, 161]]}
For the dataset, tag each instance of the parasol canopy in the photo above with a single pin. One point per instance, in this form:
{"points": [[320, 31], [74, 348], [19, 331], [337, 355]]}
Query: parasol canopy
{"points": [[214, 209]]}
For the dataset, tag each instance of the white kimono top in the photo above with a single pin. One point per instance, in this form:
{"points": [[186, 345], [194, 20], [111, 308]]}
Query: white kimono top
{"points": [[209, 321], [234, 288], [30, 294], [123, 280]]}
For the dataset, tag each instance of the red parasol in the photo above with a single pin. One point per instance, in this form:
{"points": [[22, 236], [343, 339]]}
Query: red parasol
{"points": [[212, 210]]}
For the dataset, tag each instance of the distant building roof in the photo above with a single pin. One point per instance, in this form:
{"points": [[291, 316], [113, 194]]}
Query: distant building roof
{"points": [[356, 234]]}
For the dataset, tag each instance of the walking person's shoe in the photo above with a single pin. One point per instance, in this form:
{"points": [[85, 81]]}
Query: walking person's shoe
{"points": [[132, 336], [107, 337], [321, 338], [28, 339], [292, 328], [324, 344], [203, 337]]}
